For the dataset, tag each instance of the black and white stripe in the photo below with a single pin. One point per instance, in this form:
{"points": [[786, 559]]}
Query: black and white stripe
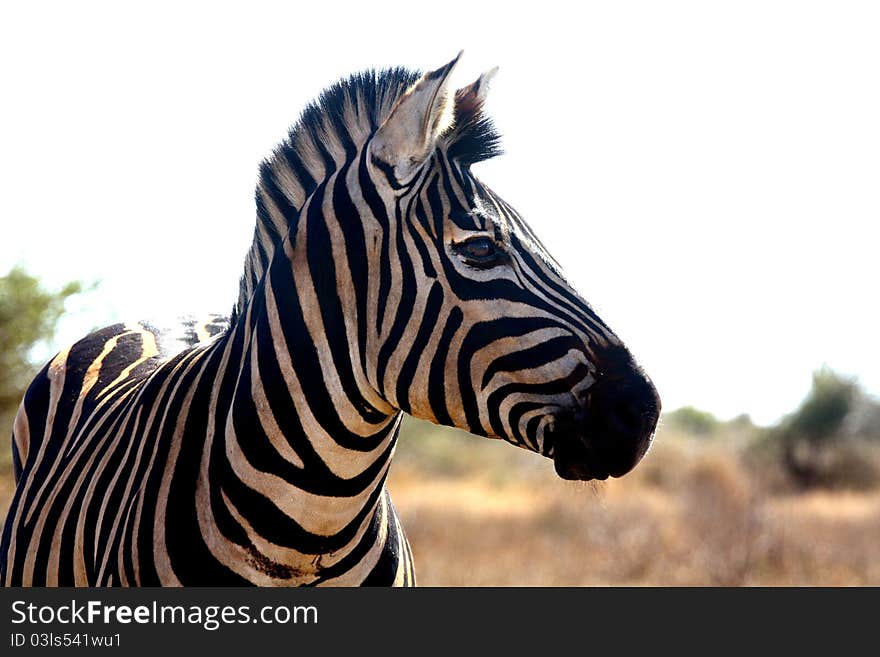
{"points": [[383, 277]]}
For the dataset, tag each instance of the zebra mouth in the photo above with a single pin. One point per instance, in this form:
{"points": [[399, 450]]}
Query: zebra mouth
{"points": [[608, 426], [607, 437], [576, 457], [574, 460]]}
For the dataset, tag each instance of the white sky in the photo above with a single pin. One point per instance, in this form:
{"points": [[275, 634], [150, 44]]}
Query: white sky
{"points": [[707, 173]]}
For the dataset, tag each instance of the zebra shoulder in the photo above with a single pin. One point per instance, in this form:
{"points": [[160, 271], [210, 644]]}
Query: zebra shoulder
{"points": [[88, 371], [72, 382]]}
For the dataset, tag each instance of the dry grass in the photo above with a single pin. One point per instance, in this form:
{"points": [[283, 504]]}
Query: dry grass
{"points": [[690, 515]]}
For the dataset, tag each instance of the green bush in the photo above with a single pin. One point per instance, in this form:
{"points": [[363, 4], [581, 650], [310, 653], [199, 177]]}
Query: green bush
{"points": [[815, 446], [820, 416], [693, 421]]}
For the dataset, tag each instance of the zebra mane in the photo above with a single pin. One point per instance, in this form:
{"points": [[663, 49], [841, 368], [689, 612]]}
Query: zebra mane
{"points": [[326, 135]]}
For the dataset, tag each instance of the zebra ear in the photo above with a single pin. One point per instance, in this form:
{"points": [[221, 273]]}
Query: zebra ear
{"points": [[477, 91], [408, 136]]}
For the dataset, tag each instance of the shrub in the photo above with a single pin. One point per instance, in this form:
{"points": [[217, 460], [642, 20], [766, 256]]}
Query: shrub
{"points": [[691, 420], [821, 444]]}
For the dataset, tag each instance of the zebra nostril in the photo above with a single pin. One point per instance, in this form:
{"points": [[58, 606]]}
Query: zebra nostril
{"points": [[621, 417], [625, 395], [626, 418]]}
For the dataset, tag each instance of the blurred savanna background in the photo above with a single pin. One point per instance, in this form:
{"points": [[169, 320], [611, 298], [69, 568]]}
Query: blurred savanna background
{"points": [[713, 503], [721, 503]]}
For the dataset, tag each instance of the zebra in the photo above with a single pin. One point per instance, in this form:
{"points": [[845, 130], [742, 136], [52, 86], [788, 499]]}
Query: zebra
{"points": [[383, 278]]}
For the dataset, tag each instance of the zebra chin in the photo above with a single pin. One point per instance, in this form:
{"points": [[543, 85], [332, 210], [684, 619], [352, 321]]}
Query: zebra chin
{"points": [[609, 434]]}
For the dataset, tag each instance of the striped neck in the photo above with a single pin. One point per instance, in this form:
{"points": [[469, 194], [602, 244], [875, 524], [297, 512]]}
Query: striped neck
{"points": [[302, 427]]}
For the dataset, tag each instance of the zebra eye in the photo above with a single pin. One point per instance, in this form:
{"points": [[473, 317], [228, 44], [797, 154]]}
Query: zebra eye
{"points": [[480, 251]]}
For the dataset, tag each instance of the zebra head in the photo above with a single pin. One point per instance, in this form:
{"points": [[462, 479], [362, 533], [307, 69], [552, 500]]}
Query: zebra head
{"points": [[477, 327]]}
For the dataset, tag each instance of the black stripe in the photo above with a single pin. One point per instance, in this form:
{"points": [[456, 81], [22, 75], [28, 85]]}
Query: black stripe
{"points": [[478, 336], [553, 387], [377, 209], [437, 376], [323, 275], [531, 358], [426, 328]]}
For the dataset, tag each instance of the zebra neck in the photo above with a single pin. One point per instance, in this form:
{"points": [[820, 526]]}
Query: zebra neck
{"points": [[299, 455]]}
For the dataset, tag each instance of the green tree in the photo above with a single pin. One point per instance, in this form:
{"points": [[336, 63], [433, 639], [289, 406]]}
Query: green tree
{"points": [[820, 416], [28, 316], [693, 421], [816, 448]]}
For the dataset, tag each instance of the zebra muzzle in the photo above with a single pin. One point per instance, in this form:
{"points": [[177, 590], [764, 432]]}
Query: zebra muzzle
{"points": [[611, 432]]}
